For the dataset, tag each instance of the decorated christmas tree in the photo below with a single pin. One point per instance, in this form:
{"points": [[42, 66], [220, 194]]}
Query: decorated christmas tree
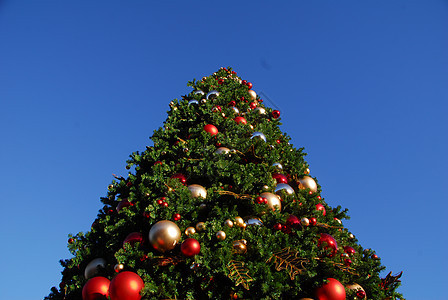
{"points": [[222, 206]]}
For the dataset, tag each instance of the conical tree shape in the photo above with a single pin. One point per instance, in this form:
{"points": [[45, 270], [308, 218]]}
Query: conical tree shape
{"points": [[222, 206]]}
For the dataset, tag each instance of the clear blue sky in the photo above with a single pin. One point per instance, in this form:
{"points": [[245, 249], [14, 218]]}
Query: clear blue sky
{"points": [[362, 85]]}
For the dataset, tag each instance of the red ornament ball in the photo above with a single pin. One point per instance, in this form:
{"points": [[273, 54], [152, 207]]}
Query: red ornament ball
{"points": [[176, 217], [190, 247], [275, 114], [280, 178], [327, 241], [96, 288], [332, 290], [126, 286], [253, 105], [360, 294], [232, 103], [293, 221], [221, 81], [278, 226], [181, 178], [157, 163], [249, 85], [349, 250], [244, 82], [241, 120], [313, 221], [321, 208], [211, 129], [134, 237], [122, 204]]}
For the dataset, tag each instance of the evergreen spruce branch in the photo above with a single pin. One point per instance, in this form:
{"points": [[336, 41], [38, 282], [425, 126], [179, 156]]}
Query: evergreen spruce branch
{"points": [[238, 273], [286, 259]]}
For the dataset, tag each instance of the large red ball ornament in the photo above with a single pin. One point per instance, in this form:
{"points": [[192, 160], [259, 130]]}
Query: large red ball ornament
{"points": [[280, 178], [190, 247], [321, 208], [181, 177], [349, 250], [96, 288], [126, 286], [293, 221], [134, 237], [241, 120], [327, 241], [332, 290], [276, 114], [211, 129]]}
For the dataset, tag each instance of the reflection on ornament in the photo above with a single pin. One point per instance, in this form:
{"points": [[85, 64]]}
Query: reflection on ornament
{"points": [[252, 94], [190, 231], [164, 235], [260, 135], [260, 110], [212, 95], [94, 267], [277, 166], [250, 221], [193, 102], [197, 191], [273, 200], [239, 247], [222, 150], [200, 226], [284, 187], [221, 235], [306, 182]]}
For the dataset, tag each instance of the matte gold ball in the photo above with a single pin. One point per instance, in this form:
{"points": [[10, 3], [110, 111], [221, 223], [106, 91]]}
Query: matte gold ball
{"points": [[228, 223], [306, 182], [197, 191], [221, 235], [239, 221], [252, 94], [190, 231], [164, 235], [273, 200], [239, 247], [200, 226]]}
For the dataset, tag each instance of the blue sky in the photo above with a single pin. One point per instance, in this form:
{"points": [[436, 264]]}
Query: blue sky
{"points": [[362, 85]]}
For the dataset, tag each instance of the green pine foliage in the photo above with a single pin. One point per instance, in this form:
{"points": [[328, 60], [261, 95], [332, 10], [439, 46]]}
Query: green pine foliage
{"points": [[280, 263]]}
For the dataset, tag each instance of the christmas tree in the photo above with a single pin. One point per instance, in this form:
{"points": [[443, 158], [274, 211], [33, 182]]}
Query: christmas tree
{"points": [[222, 206]]}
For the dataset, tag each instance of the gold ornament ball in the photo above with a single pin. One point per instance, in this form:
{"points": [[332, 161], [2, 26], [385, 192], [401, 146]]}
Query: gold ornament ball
{"points": [[239, 222], [244, 242], [221, 235], [307, 171], [355, 287], [305, 221], [164, 235], [200, 226], [118, 268], [239, 247], [190, 231], [273, 200], [197, 191], [306, 182], [94, 267], [252, 94], [228, 223]]}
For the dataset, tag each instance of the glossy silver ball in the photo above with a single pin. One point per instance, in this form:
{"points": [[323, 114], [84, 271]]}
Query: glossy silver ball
{"points": [[259, 135], [199, 92], [197, 191], [235, 110], [212, 95], [222, 150], [94, 267], [251, 221], [277, 166], [193, 102], [284, 187], [260, 110]]}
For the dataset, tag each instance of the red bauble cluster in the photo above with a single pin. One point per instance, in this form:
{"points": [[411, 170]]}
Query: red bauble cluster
{"points": [[261, 200], [126, 286], [96, 288], [211, 129], [190, 247], [176, 217], [332, 290]]}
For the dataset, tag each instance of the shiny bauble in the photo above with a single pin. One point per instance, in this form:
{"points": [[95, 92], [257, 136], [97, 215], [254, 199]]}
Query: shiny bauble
{"points": [[327, 242], [239, 247], [253, 221], [321, 208], [241, 120], [280, 178], [258, 135], [199, 92], [284, 187], [252, 94], [332, 290], [164, 235], [313, 221], [193, 102], [126, 286], [94, 267], [306, 182], [305, 222], [190, 231], [236, 111], [275, 114], [212, 95], [249, 85], [123, 204], [134, 237], [197, 191], [278, 166], [222, 150], [200, 226], [211, 129], [228, 223], [293, 221], [260, 110], [118, 268], [239, 222], [221, 235], [358, 290], [181, 177], [273, 200], [349, 250], [96, 288], [190, 247], [216, 109]]}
